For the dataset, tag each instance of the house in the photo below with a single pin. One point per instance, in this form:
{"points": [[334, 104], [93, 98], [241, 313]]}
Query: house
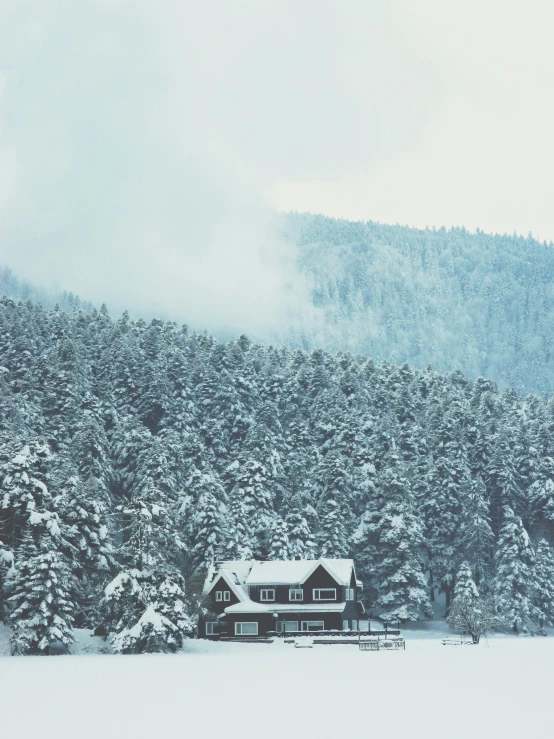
{"points": [[253, 598]]}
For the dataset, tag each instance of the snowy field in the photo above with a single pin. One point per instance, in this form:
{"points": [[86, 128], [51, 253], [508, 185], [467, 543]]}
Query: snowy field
{"points": [[503, 689]]}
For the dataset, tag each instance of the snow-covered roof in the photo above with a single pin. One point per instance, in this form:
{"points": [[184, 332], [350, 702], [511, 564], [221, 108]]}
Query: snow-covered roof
{"points": [[290, 572], [240, 573], [233, 572], [249, 606], [340, 568], [280, 572]]}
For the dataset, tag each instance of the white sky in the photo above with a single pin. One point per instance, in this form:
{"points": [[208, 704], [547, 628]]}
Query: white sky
{"points": [[141, 142]]}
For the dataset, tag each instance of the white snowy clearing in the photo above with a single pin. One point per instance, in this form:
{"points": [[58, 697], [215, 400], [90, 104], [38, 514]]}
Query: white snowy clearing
{"points": [[257, 690]]}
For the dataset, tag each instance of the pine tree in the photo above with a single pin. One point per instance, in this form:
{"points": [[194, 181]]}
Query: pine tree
{"points": [[544, 583], [514, 584], [41, 609], [541, 500], [332, 537], [301, 539], [144, 606], [208, 519], [465, 587], [241, 542], [84, 517], [251, 498], [402, 586], [280, 544], [6, 572], [475, 538]]}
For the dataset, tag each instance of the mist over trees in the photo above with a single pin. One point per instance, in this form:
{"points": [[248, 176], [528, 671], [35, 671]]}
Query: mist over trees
{"points": [[457, 300], [476, 302], [13, 287], [133, 454]]}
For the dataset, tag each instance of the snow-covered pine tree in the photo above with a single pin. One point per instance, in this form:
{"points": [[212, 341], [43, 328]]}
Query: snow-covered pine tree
{"points": [[251, 498], [543, 597], [41, 607], [301, 540], [241, 541], [514, 583], [501, 480], [541, 500], [399, 566], [332, 536], [465, 587], [447, 484], [208, 518], [280, 544], [91, 455], [83, 512], [144, 606], [6, 572], [25, 494], [475, 538]]}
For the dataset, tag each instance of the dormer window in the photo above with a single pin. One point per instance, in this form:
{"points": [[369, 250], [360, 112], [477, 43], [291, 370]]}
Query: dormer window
{"points": [[296, 594], [267, 595]]}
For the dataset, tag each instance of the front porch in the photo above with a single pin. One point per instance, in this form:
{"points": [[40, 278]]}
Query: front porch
{"points": [[264, 630]]}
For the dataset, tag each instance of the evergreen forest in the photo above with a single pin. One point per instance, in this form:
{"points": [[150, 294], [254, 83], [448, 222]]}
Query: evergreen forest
{"points": [[477, 302], [133, 454]]}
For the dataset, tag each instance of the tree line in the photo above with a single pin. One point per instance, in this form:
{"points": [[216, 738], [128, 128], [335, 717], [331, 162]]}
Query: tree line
{"points": [[134, 454]]}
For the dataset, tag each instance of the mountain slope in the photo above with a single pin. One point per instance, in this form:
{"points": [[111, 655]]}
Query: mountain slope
{"points": [[480, 303]]}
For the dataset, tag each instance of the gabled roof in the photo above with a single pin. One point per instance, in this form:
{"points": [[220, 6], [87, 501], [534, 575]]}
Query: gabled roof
{"points": [[239, 574], [234, 573], [292, 572]]}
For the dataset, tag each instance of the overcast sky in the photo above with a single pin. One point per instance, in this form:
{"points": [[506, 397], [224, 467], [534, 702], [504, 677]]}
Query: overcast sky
{"points": [[143, 144]]}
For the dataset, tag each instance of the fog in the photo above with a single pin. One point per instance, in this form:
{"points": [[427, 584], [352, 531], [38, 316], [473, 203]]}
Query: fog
{"points": [[146, 147]]}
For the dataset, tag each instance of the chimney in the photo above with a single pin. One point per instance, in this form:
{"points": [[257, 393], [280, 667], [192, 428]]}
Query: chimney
{"points": [[297, 557]]}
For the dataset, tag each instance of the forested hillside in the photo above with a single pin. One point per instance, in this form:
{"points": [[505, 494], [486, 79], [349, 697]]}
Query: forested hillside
{"points": [[457, 300], [479, 303], [133, 454], [13, 287]]}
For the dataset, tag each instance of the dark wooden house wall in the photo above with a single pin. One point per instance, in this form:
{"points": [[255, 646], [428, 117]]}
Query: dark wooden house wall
{"points": [[219, 606], [267, 622], [320, 578]]}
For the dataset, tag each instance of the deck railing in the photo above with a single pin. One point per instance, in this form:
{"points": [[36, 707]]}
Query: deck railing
{"points": [[225, 636], [335, 632]]}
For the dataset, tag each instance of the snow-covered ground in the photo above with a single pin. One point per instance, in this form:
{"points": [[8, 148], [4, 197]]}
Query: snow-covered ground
{"points": [[502, 688]]}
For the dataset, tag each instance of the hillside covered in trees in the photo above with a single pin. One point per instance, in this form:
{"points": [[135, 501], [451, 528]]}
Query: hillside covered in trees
{"points": [[13, 287], [133, 454], [476, 302]]}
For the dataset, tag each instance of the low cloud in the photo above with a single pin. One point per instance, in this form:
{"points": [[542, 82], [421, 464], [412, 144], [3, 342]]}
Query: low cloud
{"points": [[144, 145]]}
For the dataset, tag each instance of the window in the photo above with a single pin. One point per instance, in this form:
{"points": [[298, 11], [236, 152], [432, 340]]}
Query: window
{"points": [[345, 625], [325, 593], [246, 628], [287, 626], [211, 628], [354, 626], [296, 594], [226, 595], [313, 625], [349, 593], [218, 595], [267, 594]]}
